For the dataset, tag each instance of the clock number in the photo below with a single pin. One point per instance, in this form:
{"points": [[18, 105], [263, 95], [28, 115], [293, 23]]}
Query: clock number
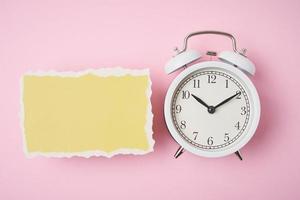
{"points": [[212, 78], [226, 137], [226, 83], [195, 135], [196, 83], [244, 110], [239, 95], [210, 141], [185, 94], [237, 126], [178, 108], [183, 124]]}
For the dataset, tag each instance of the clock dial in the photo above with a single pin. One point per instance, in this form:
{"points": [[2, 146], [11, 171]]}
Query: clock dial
{"points": [[210, 109]]}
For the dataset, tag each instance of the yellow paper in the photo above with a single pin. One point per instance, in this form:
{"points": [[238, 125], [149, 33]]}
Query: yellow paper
{"points": [[92, 113]]}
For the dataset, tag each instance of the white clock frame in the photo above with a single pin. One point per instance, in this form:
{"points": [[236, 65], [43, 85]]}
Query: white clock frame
{"points": [[253, 99]]}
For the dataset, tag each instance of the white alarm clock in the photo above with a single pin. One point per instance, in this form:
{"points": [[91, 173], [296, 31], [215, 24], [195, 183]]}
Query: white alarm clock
{"points": [[211, 108]]}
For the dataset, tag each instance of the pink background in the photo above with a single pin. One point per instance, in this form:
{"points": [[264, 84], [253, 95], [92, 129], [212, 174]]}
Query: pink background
{"points": [[75, 35]]}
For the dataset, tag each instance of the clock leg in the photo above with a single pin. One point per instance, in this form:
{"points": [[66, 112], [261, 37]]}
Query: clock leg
{"points": [[238, 153], [179, 151]]}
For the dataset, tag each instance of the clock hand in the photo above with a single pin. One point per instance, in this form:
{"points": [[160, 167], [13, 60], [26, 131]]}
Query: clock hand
{"points": [[200, 101], [210, 109], [228, 99]]}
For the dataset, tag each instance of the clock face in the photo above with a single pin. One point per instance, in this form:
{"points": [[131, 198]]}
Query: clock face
{"points": [[211, 109]]}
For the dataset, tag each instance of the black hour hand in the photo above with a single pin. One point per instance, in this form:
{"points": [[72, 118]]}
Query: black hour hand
{"points": [[200, 101]]}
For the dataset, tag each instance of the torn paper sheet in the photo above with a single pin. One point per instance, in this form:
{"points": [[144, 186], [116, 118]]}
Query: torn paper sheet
{"points": [[101, 112]]}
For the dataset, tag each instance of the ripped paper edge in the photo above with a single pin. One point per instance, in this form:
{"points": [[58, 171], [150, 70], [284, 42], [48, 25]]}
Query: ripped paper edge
{"points": [[102, 72]]}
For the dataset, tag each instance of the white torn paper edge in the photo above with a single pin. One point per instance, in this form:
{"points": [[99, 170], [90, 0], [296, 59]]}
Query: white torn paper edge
{"points": [[102, 72]]}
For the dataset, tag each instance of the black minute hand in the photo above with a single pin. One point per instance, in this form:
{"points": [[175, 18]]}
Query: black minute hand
{"points": [[200, 101], [228, 99]]}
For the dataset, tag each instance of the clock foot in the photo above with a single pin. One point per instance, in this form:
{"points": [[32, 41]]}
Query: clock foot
{"points": [[179, 151], [238, 153]]}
